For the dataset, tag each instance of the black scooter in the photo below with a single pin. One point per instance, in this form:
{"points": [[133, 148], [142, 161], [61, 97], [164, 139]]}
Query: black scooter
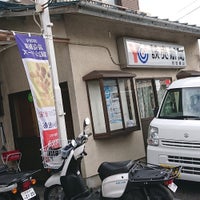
{"points": [[15, 185]]}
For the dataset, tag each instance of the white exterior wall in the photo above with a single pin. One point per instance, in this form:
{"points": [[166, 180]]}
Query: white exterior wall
{"points": [[85, 59]]}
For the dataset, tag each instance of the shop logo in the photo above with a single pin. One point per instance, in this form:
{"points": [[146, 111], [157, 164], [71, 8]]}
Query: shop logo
{"points": [[143, 55], [139, 53]]}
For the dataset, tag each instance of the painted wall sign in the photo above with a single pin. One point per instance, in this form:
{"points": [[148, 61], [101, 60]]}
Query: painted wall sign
{"points": [[143, 53]]}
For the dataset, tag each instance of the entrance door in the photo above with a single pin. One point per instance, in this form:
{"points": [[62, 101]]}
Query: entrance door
{"points": [[25, 128], [150, 93], [25, 131]]}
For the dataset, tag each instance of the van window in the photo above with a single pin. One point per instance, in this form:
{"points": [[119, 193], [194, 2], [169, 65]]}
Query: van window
{"points": [[191, 100], [181, 104]]}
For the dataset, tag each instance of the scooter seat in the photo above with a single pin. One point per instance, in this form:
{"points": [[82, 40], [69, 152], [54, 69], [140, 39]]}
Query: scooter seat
{"points": [[10, 177], [110, 168], [3, 168]]}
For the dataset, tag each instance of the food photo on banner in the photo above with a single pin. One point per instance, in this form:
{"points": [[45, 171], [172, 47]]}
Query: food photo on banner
{"points": [[34, 56]]}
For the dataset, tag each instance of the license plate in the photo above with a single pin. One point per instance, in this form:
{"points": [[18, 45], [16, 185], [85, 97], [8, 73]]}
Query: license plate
{"points": [[28, 194], [173, 187]]}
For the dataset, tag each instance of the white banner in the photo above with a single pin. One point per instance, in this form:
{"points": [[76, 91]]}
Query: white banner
{"points": [[34, 56]]}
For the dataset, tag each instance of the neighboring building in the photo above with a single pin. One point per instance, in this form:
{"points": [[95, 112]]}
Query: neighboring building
{"points": [[114, 64]]}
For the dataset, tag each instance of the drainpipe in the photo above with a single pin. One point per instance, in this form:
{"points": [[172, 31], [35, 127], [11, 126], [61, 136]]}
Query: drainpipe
{"points": [[43, 10]]}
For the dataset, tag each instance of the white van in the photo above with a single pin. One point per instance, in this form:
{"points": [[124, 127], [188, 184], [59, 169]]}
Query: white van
{"points": [[174, 134]]}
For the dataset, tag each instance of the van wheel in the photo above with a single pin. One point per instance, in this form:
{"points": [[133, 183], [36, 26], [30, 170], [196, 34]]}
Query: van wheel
{"points": [[159, 192]]}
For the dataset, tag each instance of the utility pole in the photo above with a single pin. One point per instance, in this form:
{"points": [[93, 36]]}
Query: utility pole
{"points": [[43, 10]]}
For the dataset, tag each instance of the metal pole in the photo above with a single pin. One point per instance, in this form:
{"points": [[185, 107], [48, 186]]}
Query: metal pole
{"points": [[47, 28]]}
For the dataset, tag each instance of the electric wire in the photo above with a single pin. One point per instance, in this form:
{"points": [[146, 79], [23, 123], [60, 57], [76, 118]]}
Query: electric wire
{"points": [[189, 13], [100, 46], [37, 23], [186, 6], [46, 5]]}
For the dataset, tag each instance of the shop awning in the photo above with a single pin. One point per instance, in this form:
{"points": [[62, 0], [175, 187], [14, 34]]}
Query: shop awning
{"points": [[187, 73], [99, 74], [7, 39]]}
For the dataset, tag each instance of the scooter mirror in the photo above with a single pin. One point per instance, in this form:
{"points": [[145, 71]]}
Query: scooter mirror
{"points": [[86, 122], [73, 142]]}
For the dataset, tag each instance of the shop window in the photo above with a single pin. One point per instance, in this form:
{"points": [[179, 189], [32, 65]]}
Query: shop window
{"points": [[150, 93], [112, 103]]}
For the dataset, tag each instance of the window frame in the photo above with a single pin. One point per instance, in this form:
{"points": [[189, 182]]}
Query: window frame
{"points": [[101, 76], [155, 93]]}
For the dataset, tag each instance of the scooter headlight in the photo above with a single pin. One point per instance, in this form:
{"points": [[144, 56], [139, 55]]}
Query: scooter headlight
{"points": [[153, 138]]}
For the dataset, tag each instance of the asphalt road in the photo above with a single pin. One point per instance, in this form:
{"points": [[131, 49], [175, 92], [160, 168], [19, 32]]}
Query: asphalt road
{"points": [[187, 190]]}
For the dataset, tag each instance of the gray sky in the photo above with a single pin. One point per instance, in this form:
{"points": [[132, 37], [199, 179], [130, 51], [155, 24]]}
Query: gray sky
{"points": [[181, 10]]}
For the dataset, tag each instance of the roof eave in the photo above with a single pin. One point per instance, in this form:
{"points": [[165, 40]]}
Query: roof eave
{"points": [[116, 13], [131, 16]]}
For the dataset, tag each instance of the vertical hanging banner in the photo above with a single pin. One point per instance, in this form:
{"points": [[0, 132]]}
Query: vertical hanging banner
{"points": [[34, 57]]}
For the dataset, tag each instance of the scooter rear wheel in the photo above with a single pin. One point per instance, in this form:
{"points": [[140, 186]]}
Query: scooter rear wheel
{"points": [[134, 195], [160, 192], [54, 192]]}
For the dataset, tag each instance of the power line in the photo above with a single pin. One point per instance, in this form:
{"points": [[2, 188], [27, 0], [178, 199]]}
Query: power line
{"points": [[189, 13], [186, 6]]}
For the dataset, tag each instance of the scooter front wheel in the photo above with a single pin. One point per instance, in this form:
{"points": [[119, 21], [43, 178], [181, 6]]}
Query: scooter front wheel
{"points": [[54, 192], [160, 192]]}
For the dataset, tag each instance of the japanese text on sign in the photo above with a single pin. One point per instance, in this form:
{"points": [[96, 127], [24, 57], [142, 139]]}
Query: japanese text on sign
{"points": [[150, 53]]}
